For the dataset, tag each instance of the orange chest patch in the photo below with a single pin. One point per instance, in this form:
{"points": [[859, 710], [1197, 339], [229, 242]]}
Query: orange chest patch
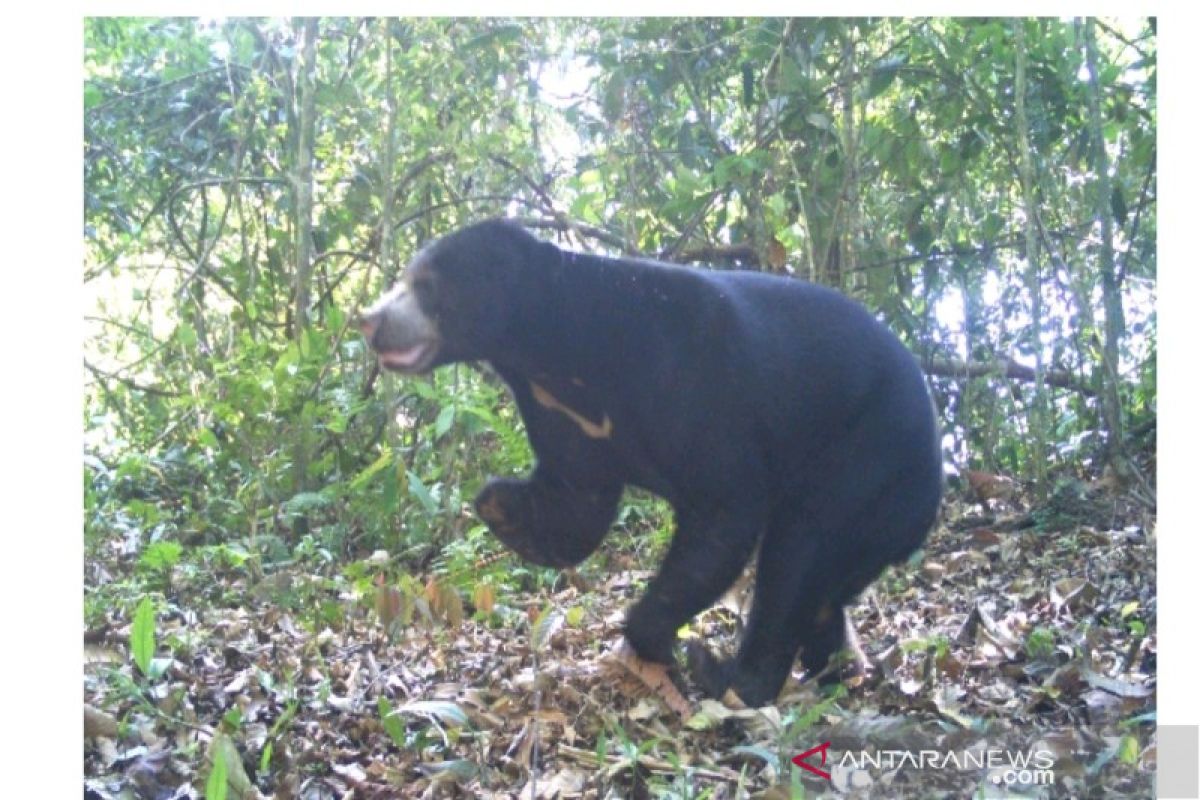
{"points": [[590, 429]]}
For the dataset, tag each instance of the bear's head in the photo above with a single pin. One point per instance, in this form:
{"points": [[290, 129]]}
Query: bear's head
{"points": [[457, 300]]}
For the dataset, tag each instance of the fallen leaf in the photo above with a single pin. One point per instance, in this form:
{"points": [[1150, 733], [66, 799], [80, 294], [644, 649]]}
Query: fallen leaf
{"points": [[97, 723], [655, 677]]}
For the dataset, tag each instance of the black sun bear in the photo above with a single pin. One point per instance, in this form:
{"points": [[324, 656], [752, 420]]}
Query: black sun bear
{"points": [[769, 412]]}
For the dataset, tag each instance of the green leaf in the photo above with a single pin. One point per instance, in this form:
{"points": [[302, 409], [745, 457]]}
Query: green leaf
{"points": [[507, 33], [613, 100], [882, 75], [316, 342], [381, 463], [547, 624], [819, 120], [444, 422], [161, 556], [232, 719], [228, 777], [206, 438], [791, 79], [442, 710], [768, 758], [993, 223], [337, 423], [217, 785], [590, 177], [391, 489], [264, 763], [1149, 718], [141, 636], [304, 502], [1129, 750], [418, 490], [393, 725], [335, 318], [185, 334], [92, 96]]}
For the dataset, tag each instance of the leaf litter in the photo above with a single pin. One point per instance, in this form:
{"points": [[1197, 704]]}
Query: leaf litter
{"points": [[1001, 635]]}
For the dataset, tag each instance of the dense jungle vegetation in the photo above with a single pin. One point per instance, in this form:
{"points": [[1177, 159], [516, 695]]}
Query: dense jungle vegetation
{"points": [[285, 589]]}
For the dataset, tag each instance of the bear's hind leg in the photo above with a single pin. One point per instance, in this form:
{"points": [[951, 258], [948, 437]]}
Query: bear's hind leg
{"points": [[789, 583]]}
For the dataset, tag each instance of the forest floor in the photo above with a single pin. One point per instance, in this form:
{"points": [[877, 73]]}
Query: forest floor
{"points": [[1015, 657]]}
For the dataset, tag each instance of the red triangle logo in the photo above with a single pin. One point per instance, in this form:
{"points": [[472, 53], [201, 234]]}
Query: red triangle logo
{"points": [[799, 761]]}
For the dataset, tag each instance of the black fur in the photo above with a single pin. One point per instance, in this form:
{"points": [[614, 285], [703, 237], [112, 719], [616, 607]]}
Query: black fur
{"points": [[764, 409]]}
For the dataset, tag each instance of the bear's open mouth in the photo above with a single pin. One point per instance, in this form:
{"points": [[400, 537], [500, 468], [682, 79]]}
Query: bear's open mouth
{"points": [[408, 359]]}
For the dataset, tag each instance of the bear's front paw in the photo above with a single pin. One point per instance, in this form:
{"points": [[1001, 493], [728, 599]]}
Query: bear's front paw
{"points": [[504, 504], [538, 523], [496, 505]]}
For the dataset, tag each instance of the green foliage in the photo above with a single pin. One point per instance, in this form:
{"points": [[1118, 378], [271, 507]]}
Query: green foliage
{"points": [[1039, 644], [444, 723], [281, 724], [217, 785], [227, 776], [548, 621], [393, 723], [874, 155], [160, 558], [141, 636]]}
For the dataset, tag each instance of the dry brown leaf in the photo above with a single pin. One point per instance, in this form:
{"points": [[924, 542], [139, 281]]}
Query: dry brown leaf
{"points": [[987, 486], [655, 677], [97, 723], [484, 598], [776, 253], [452, 606], [388, 601], [1117, 687]]}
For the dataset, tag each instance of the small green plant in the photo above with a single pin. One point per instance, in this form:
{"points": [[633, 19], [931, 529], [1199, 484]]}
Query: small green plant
{"points": [[285, 719], [1039, 644], [217, 785], [159, 559], [141, 636], [446, 721], [393, 723], [938, 646]]}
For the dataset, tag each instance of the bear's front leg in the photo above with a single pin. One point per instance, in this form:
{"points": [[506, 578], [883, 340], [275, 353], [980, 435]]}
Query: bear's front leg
{"points": [[711, 547], [546, 521]]}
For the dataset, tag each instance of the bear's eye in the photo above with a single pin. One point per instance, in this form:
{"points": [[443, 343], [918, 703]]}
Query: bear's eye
{"points": [[425, 287]]}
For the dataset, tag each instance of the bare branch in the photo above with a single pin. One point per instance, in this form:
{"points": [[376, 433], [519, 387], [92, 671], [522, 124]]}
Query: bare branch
{"points": [[1006, 368]]}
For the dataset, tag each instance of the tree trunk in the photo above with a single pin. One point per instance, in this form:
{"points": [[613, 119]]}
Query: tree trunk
{"points": [[1114, 313], [1037, 418], [386, 245], [302, 290], [851, 237]]}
